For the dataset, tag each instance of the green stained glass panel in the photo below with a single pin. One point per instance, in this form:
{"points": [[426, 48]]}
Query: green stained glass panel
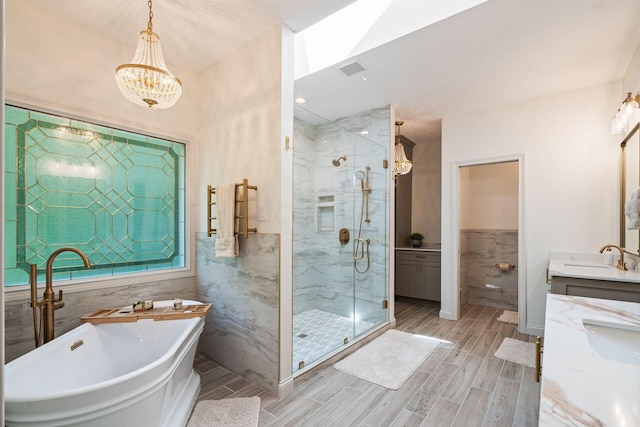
{"points": [[116, 195]]}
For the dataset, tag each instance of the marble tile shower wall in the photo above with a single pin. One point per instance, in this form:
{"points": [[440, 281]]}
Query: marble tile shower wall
{"points": [[323, 269], [480, 250], [241, 332], [19, 316]]}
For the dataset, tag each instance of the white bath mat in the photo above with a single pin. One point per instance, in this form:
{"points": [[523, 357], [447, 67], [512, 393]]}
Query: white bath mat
{"points": [[517, 351], [236, 412], [390, 359], [509, 317]]}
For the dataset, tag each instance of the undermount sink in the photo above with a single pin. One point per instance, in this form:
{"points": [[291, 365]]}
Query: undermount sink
{"points": [[614, 341], [585, 264]]}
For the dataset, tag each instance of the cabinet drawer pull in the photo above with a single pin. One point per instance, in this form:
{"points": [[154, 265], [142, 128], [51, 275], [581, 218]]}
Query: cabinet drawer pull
{"points": [[420, 256]]}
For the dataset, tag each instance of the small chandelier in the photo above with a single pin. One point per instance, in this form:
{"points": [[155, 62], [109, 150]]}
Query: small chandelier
{"points": [[146, 80], [402, 165], [627, 116]]}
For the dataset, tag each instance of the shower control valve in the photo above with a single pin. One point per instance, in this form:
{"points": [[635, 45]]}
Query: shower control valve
{"points": [[344, 236]]}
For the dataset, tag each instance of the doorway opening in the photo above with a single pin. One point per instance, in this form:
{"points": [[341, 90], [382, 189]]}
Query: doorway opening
{"points": [[489, 237]]}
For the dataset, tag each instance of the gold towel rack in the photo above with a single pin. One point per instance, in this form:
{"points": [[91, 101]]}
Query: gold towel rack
{"points": [[243, 211]]}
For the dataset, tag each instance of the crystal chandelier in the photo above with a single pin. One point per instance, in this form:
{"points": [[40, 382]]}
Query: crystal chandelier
{"points": [[146, 80], [402, 165]]}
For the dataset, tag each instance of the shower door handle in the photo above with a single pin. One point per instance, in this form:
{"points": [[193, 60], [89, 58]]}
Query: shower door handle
{"points": [[358, 245]]}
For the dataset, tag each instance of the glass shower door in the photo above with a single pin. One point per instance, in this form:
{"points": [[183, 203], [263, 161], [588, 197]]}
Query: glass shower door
{"points": [[371, 254], [340, 201]]}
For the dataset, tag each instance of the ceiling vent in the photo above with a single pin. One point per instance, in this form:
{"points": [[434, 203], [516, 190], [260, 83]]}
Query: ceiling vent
{"points": [[351, 68]]}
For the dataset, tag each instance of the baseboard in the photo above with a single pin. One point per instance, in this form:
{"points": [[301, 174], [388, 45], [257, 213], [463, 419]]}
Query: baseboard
{"points": [[447, 315], [535, 330], [285, 388]]}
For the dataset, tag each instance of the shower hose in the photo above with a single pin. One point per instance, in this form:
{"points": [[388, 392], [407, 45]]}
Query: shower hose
{"points": [[360, 244]]}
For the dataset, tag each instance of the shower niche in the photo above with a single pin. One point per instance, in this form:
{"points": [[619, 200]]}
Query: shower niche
{"points": [[325, 214], [340, 186]]}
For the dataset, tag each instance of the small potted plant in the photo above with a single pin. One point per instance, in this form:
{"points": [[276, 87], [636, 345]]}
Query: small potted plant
{"points": [[416, 239]]}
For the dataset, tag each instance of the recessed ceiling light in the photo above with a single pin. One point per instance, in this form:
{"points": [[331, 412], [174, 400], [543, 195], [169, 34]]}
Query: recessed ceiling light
{"points": [[300, 100], [364, 132], [364, 78]]}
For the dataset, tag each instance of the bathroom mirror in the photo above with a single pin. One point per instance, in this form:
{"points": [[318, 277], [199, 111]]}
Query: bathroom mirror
{"points": [[629, 181]]}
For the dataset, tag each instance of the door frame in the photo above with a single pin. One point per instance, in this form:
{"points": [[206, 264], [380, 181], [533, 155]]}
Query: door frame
{"points": [[455, 233]]}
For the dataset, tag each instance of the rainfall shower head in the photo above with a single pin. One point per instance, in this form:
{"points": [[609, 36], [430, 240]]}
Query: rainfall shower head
{"points": [[336, 162]]}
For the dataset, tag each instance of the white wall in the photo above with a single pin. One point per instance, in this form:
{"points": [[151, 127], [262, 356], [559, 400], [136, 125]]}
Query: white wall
{"points": [[631, 80], [239, 126], [570, 179], [489, 196]]}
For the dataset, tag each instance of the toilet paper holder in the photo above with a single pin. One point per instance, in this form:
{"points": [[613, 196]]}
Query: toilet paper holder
{"points": [[505, 266]]}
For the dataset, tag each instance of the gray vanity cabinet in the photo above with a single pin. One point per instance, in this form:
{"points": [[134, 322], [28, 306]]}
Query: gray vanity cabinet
{"points": [[604, 289], [418, 274]]}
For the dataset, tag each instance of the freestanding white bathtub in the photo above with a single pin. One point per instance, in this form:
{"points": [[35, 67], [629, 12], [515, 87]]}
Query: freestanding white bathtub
{"points": [[123, 374]]}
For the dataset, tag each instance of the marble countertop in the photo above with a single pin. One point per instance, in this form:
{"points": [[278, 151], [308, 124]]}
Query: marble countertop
{"points": [[589, 266], [426, 247], [578, 387]]}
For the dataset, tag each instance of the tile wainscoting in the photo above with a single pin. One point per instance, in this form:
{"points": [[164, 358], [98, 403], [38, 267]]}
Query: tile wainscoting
{"points": [[19, 315], [480, 250], [241, 332]]}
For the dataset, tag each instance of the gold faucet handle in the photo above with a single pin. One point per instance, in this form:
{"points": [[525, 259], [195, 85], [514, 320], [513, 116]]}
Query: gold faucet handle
{"points": [[57, 302], [622, 265]]}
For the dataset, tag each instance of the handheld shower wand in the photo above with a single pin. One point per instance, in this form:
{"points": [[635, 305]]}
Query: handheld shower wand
{"points": [[361, 246], [363, 177]]}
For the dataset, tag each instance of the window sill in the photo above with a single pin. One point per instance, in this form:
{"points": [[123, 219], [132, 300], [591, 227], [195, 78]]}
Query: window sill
{"points": [[23, 292]]}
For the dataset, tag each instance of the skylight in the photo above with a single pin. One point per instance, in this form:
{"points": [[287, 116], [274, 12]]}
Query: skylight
{"points": [[364, 25]]}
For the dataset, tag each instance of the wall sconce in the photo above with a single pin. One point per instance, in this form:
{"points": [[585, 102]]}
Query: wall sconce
{"points": [[627, 116], [402, 165]]}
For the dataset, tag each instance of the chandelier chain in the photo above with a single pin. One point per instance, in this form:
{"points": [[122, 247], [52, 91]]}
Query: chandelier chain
{"points": [[150, 23]]}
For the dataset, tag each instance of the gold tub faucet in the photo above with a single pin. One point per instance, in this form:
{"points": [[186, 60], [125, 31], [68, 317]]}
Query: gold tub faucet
{"points": [[44, 330], [621, 264]]}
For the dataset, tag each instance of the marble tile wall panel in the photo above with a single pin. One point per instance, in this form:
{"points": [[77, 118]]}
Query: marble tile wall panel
{"points": [[19, 334], [323, 270], [242, 330], [480, 251]]}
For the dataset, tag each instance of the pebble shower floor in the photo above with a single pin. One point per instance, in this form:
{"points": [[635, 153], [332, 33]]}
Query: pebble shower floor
{"points": [[317, 332]]}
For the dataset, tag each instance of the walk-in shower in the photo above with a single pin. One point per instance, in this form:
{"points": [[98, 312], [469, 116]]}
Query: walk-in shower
{"points": [[340, 232]]}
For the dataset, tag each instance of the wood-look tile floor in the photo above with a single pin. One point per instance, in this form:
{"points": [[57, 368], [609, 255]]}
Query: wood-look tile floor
{"points": [[460, 384]]}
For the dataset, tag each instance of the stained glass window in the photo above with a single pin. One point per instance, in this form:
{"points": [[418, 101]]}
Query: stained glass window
{"points": [[118, 196]]}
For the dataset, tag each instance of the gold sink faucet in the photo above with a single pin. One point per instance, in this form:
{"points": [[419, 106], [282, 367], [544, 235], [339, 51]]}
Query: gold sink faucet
{"points": [[621, 264], [49, 303]]}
